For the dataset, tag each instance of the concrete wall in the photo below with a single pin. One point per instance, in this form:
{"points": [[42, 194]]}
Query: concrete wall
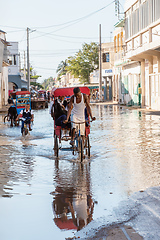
{"points": [[0, 90], [5, 85], [1, 55]]}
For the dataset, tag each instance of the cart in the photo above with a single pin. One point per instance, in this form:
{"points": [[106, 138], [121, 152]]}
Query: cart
{"points": [[19, 98], [22, 98], [81, 146]]}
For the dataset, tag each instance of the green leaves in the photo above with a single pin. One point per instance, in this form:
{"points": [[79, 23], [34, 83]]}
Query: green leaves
{"points": [[48, 82], [61, 70], [84, 62]]}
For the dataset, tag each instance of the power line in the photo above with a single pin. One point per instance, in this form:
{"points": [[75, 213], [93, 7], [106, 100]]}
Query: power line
{"points": [[72, 22], [45, 68], [73, 36], [75, 20], [12, 27]]}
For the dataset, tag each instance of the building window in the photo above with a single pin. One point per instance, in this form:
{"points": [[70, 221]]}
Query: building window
{"points": [[105, 57], [10, 60], [141, 17], [14, 59]]}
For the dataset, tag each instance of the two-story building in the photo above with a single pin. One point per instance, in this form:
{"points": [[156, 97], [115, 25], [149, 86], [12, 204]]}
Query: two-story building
{"points": [[68, 80], [142, 39], [126, 71], [15, 76], [107, 71]]}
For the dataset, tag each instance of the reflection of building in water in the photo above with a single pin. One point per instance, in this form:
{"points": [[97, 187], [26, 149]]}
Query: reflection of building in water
{"points": [[73, 204], [134, 143], [15, 167]]}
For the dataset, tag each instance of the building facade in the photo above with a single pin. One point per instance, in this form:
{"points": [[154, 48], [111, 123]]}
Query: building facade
{"points": [[3, 69], [142, 40], [126, 72], [107, 71], [15, 76]]}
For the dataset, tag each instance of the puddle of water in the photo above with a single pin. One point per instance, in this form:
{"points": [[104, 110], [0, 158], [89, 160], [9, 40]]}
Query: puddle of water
{"points": [[51, 195]]}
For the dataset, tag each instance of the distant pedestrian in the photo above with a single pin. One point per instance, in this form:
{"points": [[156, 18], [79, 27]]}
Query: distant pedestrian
{"points": [[48, 96], [97, 95], [51, 107]]}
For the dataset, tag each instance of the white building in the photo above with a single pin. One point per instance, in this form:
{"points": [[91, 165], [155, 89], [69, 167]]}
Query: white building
{"points": [[68, 80], [126, 72], [142, 38], [107, 71], [15, 76]]}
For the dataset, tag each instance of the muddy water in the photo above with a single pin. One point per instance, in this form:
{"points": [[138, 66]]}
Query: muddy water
{"points": [[45, 198]]}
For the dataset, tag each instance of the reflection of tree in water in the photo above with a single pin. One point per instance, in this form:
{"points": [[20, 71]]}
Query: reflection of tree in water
{"points": [[73, 205]]}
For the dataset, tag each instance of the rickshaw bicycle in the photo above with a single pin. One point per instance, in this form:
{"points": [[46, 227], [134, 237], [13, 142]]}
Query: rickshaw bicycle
{"points": [[25, 129], [19, 100], [81, 145]]}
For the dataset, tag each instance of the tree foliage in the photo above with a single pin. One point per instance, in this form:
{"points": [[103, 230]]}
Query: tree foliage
{"points": [[61, 69], [84, 62], [49, 82], [36, 84]]}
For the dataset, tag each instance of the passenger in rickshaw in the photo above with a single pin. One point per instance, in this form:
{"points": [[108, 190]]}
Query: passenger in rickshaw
{"points": [[27, 116], [60, 114], [78, 101], [10, 101], [12, 113]]}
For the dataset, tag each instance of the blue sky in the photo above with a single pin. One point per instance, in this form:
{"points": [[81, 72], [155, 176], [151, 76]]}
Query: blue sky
{"points": [[57, 35]]}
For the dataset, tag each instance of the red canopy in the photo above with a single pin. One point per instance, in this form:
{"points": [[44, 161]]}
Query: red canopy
{"points": [[68, 91], [41, 91], [22, 92], [68, 224]]}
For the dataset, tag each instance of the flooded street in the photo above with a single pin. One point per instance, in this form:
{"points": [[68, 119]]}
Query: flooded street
{"points": [[45, 198]]}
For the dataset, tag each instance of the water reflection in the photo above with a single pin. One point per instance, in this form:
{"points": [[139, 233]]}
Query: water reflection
{"points": [[73, 204], [16, 167], [124, 159]]}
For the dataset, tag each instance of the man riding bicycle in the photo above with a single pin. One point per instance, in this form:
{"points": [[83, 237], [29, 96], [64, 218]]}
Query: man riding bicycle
{"points": [[78, 103], [26, 116]]}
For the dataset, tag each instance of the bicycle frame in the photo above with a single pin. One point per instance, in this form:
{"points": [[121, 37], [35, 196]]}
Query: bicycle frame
{"points": [[79, 140]]}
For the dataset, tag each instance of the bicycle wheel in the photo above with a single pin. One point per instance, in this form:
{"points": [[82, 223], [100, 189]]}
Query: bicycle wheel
{"points": [[6, 117], [56, 149], [80, 149], [88, 147], [23, 132]]}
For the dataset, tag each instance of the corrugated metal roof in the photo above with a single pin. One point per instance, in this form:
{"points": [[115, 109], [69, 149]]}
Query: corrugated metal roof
{"points": [[2, 31]]}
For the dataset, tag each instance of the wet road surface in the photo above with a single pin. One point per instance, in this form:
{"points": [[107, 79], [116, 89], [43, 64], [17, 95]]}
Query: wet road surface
{"points": [[45, 198]]}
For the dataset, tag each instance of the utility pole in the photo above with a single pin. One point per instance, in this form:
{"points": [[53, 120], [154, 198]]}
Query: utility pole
{"points": [[28, 65], [19, 62], [110, 36], [117, 9], [24, 65], [100, 65]]}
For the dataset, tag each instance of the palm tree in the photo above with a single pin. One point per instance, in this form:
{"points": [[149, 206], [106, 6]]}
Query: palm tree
{"points": [[61, 69]]}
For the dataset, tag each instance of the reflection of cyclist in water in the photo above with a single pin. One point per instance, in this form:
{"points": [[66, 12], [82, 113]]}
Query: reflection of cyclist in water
{"points": [[81, 209], [26, 116], [73, 205]]}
